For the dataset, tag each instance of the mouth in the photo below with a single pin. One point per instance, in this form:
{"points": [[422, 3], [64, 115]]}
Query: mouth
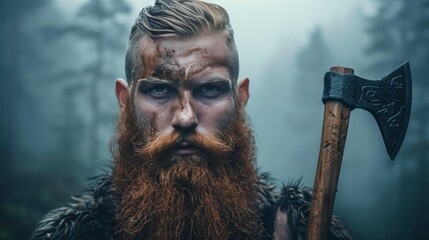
{"points": [[185, 148]]}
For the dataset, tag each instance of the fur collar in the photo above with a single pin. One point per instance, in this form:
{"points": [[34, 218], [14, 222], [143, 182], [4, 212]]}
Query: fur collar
{"points": [[91, 216]]}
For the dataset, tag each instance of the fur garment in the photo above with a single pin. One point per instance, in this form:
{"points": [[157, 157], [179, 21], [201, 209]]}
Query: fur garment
{"points": [[92, 215]]}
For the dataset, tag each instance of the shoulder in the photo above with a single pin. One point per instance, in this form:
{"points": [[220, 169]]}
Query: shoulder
{"points": [[268, 196], [294, 208], [85, 217]]}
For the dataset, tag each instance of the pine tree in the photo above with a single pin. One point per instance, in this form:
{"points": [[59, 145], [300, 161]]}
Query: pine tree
{"points": [[18, 55], [98, 21], [313, 61], [400, 32]]}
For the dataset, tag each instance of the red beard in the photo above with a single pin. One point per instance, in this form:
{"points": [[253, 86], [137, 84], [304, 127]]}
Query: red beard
{"points": [[211, 195]]}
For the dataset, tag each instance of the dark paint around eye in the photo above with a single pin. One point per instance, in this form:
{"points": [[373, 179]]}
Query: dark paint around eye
{"points": [[209, 91], [160, 91]]}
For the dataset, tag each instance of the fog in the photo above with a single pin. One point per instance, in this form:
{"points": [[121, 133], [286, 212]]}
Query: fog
{"points": [[60, 61]]}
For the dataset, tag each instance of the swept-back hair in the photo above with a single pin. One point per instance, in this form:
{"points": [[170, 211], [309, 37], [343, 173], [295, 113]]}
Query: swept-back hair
{"points": [[178, 18]]}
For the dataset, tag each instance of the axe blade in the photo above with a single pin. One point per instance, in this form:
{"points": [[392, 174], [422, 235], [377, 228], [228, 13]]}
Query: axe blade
{"points": [[388, 100], [393, 117]]}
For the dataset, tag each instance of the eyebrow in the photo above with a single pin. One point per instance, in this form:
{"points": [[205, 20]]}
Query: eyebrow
{"points": [[215, 80], [153, 79], [145, 83], [210, 80]]}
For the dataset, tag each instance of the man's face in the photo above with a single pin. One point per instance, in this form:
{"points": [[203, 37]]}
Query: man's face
{"points": [[184, 163], [186, 87]]}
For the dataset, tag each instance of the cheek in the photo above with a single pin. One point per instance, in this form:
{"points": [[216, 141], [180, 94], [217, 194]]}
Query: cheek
{"points": [[217, 116], [152, 114]]}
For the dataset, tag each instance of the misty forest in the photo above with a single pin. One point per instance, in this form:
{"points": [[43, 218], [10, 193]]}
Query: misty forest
{"points": [[58, 109]]}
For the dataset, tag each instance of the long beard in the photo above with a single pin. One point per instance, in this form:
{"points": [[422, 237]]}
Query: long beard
{"points": [[211, 195]]}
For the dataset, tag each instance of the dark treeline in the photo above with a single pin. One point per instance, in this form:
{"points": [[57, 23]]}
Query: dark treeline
{"points": [[57, 101], [400, 32], [376, 198]]}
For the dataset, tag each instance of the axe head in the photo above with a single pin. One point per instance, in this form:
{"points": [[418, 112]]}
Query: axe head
{"points": [[388, 100]]}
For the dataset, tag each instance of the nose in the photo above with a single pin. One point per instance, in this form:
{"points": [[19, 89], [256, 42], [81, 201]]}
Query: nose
{"points": [[185, 117]]}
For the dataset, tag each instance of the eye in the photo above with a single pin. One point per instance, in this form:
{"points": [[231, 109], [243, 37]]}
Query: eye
{"points": [[160, 91], [209, 90]]}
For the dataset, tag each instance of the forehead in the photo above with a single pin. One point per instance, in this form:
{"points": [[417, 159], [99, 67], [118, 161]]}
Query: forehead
{"points": [[190, 55]]}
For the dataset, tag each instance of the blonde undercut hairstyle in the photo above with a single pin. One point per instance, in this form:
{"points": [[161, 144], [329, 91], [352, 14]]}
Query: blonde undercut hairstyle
{"points": [[178, 18]]}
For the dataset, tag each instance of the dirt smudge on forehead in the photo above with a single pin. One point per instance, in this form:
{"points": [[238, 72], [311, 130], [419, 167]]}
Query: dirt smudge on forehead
{"points": [[169, 68]]}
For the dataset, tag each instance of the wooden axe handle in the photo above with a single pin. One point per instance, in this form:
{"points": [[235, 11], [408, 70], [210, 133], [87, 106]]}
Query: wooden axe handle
{"points": [[334, 133]]}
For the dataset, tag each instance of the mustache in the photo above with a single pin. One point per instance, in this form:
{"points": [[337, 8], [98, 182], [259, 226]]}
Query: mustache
{"points": [[157, 146]]}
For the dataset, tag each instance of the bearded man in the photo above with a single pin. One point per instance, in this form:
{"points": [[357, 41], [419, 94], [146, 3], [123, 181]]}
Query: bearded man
{"points": [[184, 154]]}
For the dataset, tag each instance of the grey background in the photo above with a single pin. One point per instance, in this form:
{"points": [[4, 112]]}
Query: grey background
{"points": [[59, 60]]}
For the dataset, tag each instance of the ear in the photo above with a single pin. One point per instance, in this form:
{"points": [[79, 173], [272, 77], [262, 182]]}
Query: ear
{"points": [[121, 90], [243, 91]]}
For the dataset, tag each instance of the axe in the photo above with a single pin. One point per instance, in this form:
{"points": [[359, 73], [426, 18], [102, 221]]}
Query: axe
{"points": [[388, 100]]}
